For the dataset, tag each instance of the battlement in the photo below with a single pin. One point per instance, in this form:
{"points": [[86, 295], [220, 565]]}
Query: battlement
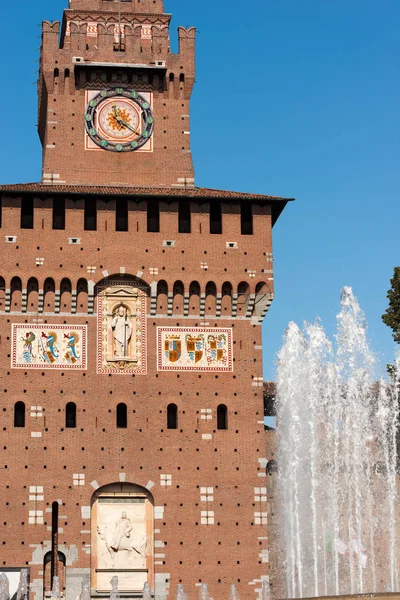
{"points": [[130, 6]]}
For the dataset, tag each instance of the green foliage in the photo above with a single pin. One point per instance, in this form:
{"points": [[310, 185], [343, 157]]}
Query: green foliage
{"points": [[391, 318]]}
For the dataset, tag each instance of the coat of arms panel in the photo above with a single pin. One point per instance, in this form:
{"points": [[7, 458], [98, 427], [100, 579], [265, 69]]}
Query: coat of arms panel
{"points": [[194, 349]]}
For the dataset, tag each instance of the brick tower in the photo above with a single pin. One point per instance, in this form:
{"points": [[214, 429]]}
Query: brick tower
{"points": [[131, 304]]}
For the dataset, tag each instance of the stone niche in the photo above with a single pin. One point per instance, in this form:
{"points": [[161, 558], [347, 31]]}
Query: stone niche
{"points": [[122, 538], [121, 332]]}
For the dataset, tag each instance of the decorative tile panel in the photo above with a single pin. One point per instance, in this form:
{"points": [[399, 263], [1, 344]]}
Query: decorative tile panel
{"points": [[49, 347], [194, 349]]}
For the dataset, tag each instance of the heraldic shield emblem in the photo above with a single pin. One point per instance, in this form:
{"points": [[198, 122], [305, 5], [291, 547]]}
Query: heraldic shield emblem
{"points": [[195, 347], [173, 348]]}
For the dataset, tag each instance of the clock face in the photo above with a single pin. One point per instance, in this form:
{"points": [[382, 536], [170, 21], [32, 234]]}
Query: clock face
{"points": [[119, 120]]}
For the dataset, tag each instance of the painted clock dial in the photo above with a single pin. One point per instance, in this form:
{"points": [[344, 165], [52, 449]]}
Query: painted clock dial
{"points": [[119, 120]]}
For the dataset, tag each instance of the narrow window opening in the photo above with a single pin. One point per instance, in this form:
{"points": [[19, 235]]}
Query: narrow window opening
{"points": [[59, 213], [27, 213], [246, 218], [90, 214], [172, 416], [153, 216], [54, 540], [215, 217], [121, 215], [1, 210], [70, 415], [19, 414], [222, 417], [184, 217], [122, 416]]}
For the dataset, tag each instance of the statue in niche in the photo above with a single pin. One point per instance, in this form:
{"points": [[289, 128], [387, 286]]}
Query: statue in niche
{"points": [[123, 543], [121, 326]]}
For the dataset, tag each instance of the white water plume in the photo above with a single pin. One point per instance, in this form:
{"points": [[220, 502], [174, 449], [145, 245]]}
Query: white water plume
{"points": [[337, 433]]}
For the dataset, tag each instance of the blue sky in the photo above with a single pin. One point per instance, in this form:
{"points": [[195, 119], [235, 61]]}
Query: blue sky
{"points": [[322, 79]]}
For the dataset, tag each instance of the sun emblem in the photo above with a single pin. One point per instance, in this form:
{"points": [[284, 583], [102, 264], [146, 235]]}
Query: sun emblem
{"points": [[123, 114]]}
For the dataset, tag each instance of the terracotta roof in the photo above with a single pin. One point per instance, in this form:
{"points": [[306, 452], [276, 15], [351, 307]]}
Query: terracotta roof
{"points": [[278, 203]]}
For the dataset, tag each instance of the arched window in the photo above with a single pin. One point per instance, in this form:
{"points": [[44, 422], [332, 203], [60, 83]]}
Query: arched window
{"points": [[70, 415], [172, 416], [222, 417], [19, 414], [122, 416]]}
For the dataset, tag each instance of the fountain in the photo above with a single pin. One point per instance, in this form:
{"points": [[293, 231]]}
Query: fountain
{"points": [[337, 436], [233, 593], [204, 593], [180, 593], [4, 587], [23, 586]]}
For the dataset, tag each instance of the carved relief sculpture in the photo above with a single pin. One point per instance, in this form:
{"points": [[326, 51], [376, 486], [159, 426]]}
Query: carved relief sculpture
{"points": [[121, 328]]}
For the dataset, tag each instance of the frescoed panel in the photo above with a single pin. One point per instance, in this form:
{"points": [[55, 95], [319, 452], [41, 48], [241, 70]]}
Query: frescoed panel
{"points": [[194, 349], [121, 328], [49, 346]]}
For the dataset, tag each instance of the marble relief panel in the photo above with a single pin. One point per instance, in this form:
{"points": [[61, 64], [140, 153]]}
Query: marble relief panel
{"points": [[121, 329]]}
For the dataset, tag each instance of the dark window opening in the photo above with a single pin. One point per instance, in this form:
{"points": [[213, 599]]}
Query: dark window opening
{"points": [[121, 215], [1, 210], [153, 216], [70, 415], [90, 214], [184, 217], [27, 213], [222, 417], [59, 213], [19, 414], [122, 416], [215, 217], [246, 218], [172, 416]]}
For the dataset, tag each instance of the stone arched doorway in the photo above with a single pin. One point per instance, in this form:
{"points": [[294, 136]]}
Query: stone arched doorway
{"points": [[122, 538]]}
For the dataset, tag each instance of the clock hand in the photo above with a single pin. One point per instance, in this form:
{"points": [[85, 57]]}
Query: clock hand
{"points": [[130, 127], [116, 113]]}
